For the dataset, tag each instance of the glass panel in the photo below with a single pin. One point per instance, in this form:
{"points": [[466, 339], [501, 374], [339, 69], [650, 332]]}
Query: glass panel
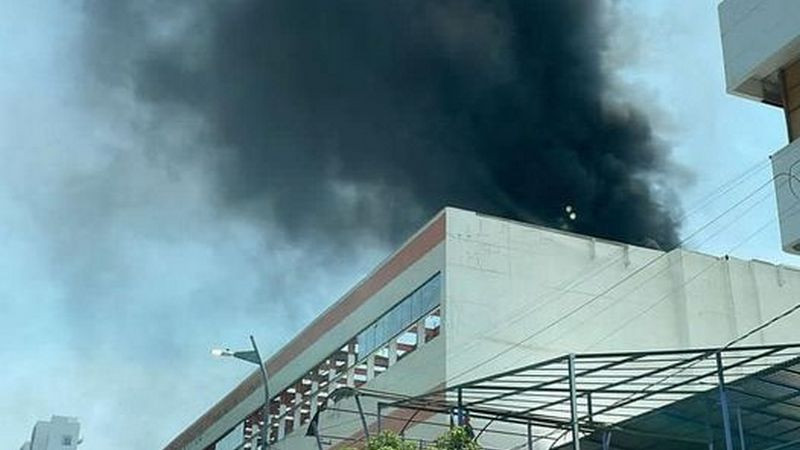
{"points": [[232, 440], [409, 310]]}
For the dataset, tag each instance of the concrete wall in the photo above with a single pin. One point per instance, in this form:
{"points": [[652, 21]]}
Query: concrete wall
{"points": [[758, 38], [786, 170], [50, 435], [518, 294]]}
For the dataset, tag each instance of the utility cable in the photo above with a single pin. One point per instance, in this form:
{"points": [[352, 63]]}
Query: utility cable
{"points": [[560, 291], [694, 277], [614, 285]]}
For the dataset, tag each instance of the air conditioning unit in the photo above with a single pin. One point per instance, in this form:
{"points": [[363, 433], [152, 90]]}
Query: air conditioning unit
{"points": [[786, 172]]}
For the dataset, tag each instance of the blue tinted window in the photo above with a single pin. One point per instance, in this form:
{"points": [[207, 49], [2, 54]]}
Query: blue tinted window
{"points": [[402, 315]]}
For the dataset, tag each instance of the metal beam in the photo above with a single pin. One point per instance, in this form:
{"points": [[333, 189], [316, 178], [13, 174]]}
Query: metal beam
{"points": [[723, 402], [573, 404]]}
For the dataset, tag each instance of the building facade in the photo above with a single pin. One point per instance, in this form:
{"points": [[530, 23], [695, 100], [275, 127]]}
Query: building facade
{"points": [[58, 433], [470, 295], [761, 47]]}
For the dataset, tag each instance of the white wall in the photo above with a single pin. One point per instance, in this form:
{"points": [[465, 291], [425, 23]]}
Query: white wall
{"points": [[516, 294], [509, 283], [49, 435], [786, 170], [758, 37]]}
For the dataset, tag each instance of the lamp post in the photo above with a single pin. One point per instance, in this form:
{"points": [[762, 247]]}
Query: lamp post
{"points": [[254, 357]]}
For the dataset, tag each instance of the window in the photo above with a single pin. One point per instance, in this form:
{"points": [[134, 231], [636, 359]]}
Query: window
{"points": [[66, 440], [412, 308]]}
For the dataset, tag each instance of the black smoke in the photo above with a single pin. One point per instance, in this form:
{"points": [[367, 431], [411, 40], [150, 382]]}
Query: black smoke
{"points": [[333, 119]]}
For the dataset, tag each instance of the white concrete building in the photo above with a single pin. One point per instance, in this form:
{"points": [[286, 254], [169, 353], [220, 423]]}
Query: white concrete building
{"points": [[761, 46], [470, 295], [59, 433]]}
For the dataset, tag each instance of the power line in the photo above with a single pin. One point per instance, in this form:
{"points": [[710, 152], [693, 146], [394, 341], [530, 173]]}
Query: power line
{"points": [[612, 286], [697, 275], [559, 292]]}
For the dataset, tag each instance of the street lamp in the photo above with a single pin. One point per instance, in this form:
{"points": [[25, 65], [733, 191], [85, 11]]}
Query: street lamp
{"points": [[254, 357]]}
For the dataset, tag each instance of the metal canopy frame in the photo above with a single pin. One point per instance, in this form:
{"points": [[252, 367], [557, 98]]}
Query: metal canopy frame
{"points": [[732, 398]]}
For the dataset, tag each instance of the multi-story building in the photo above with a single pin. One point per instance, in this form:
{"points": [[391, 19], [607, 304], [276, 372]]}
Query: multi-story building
{"points": [[470, 295], [761, 46], [58, 433]]}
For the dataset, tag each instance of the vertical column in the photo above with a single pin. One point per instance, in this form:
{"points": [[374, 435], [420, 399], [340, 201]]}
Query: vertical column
{"points": [[709, 430], [589, 407], [282, 420], [573, 403], [392, 351], [733, 319], [606, 440], [255, 437], [755, 297], [421, 333], [297, 413], [530, 436], [460, 409], [314, 396], [363, 417], [331, 379], [723, 403], [370, 367], [351, 365], [741, 429]]}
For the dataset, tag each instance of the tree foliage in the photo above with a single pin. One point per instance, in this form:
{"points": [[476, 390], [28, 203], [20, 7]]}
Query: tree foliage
{"points": [[457, 438], [388, 440]]}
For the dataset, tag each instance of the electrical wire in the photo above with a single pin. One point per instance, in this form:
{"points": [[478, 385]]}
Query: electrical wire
{"points": [[614, 285], [775, 319], [559, 292], [694, 277], [647, 280]]}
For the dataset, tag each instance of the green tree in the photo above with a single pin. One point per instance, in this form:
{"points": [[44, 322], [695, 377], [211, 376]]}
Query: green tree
{"points": [[457, 438], [389, 440]]}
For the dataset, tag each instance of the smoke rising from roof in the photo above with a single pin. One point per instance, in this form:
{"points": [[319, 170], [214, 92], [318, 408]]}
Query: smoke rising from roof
{"points": [[332, 120]]}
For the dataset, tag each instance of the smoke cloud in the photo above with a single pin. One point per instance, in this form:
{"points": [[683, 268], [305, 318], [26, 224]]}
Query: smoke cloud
{"points": [[350, 119]]}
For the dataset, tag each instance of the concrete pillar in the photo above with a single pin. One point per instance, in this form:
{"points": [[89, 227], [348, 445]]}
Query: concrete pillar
{"points": [[314, 397], [351, 365], [733, 319], [331, 384], [421, 333], [370, 367], [298, 406], [282, 421], [679, 298], [254, 435], [392, 352], [756, 298]]}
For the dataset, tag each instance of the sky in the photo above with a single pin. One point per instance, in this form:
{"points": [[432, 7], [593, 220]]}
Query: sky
{"points": [[120, 272]]}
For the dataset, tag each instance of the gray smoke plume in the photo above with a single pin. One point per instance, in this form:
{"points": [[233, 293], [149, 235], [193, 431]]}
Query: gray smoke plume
{"points": [[337, 119]]}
